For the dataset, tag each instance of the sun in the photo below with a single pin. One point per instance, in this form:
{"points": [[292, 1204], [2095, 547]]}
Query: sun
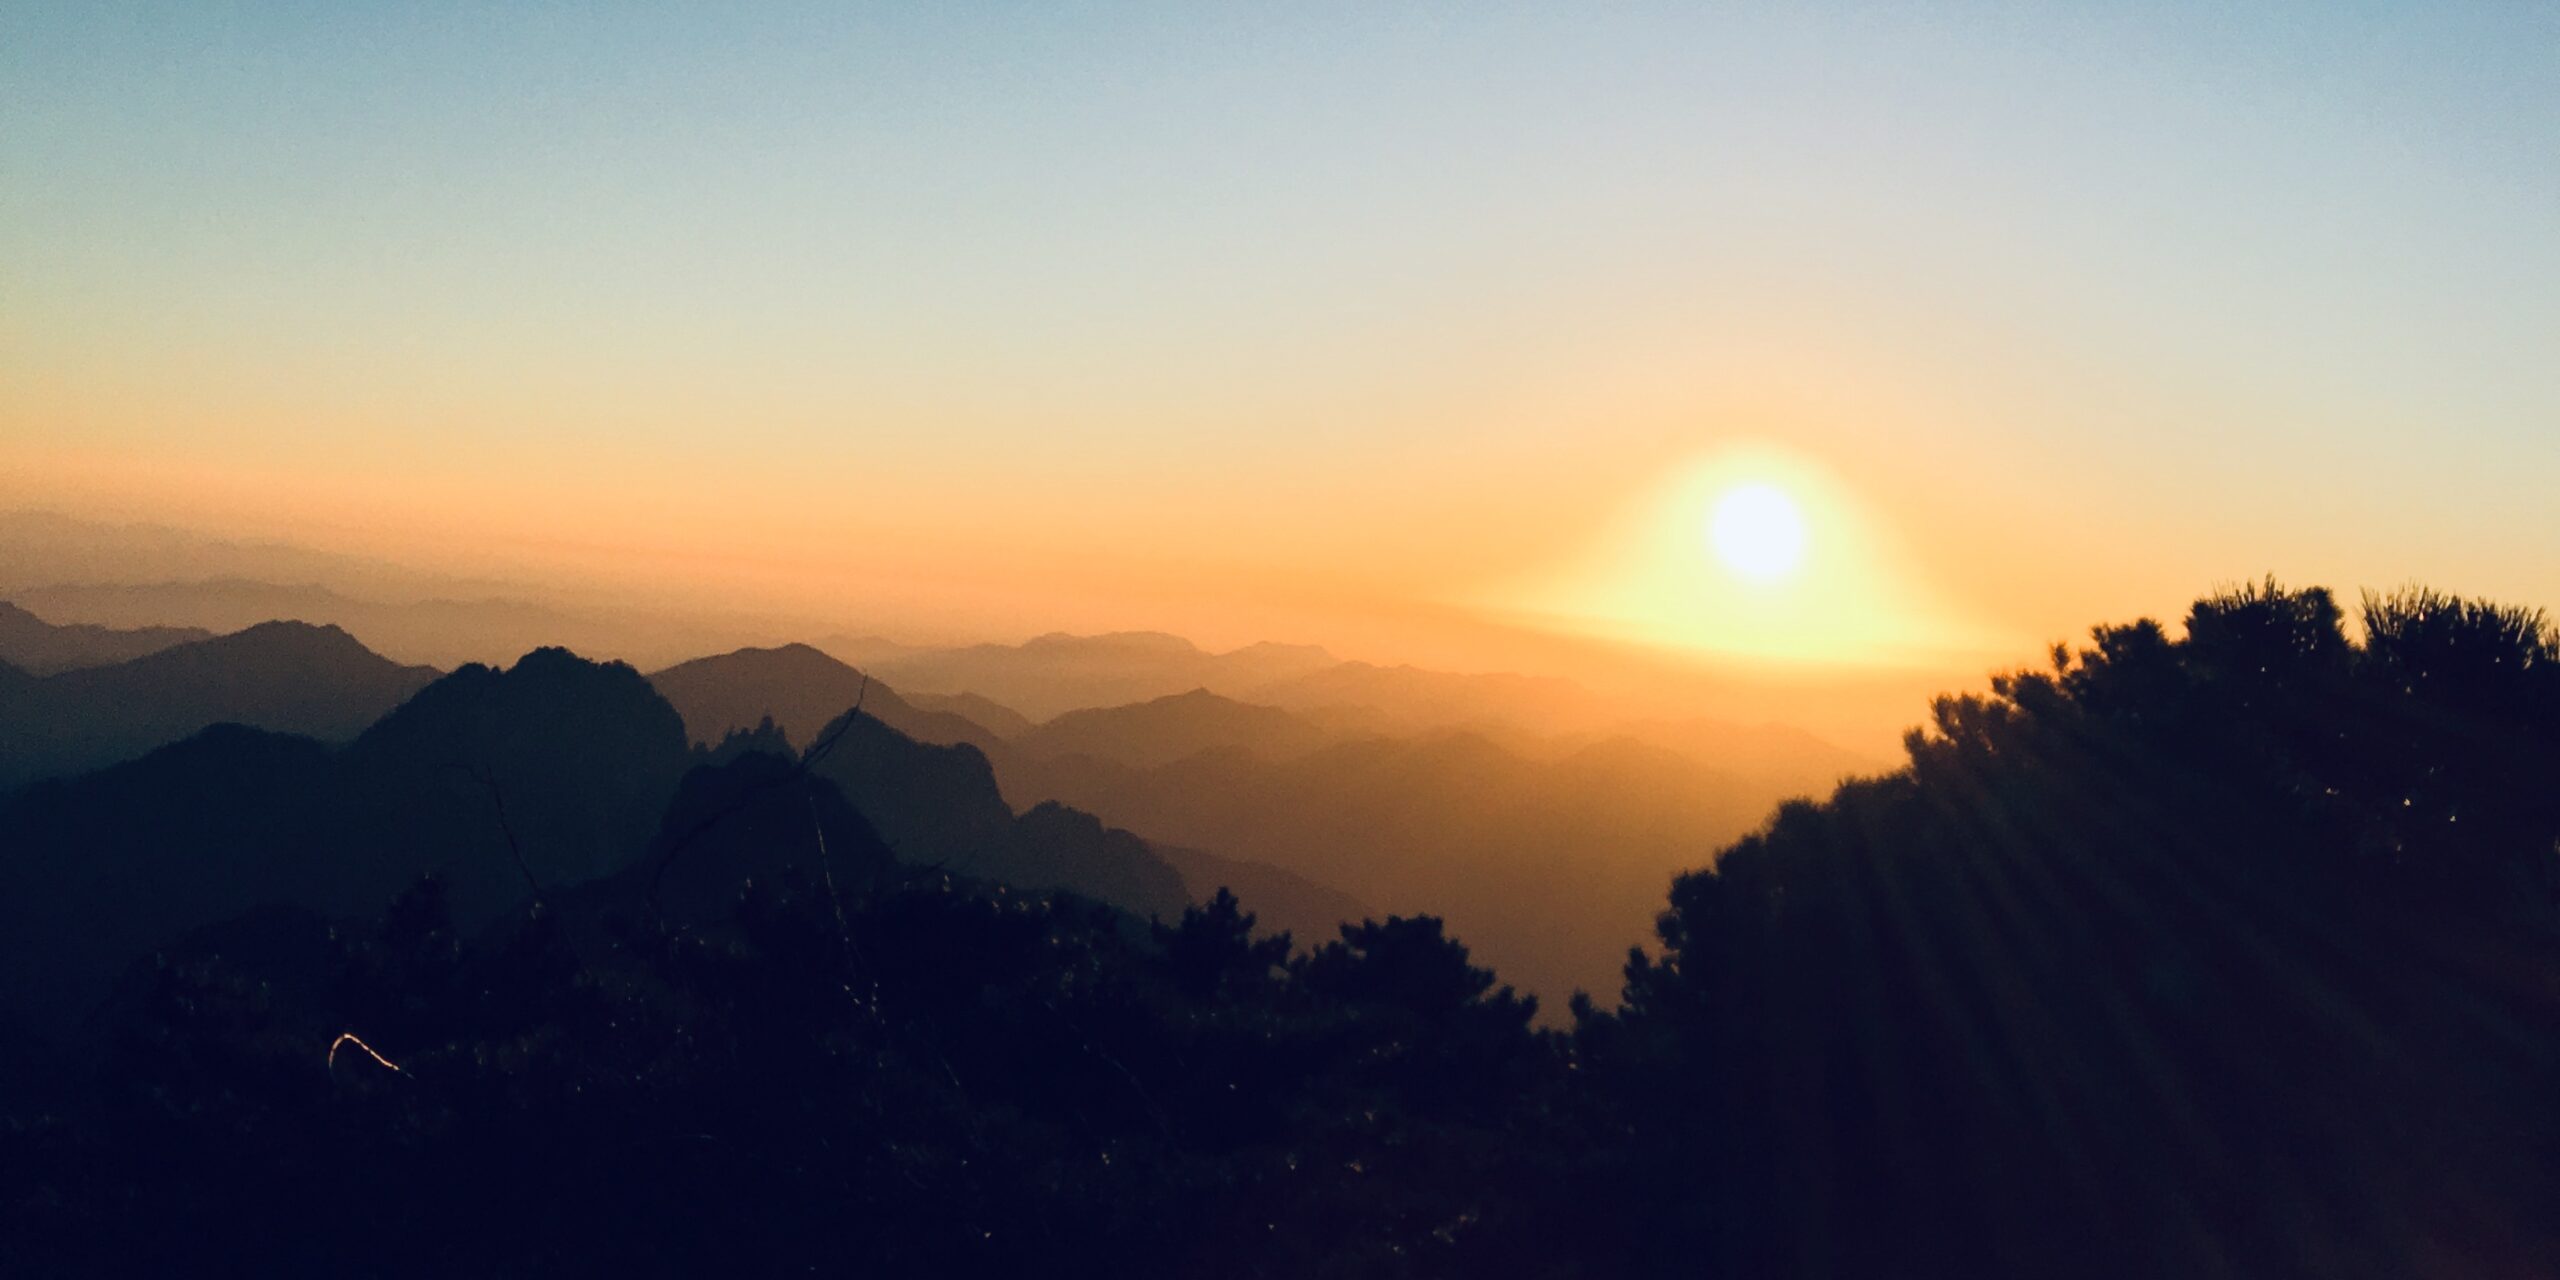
{"points": [[1757, 532], [1753, 554]]}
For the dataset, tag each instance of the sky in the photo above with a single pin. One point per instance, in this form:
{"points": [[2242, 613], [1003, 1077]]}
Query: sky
{"points": [[1420, 330]]}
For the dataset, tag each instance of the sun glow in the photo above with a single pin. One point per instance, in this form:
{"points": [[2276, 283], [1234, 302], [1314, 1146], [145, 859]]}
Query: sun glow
{"points": [[1753, 553]]}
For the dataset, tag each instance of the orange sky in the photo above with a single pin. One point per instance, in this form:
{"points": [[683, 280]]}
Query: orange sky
{"points": [[1391, 332]]}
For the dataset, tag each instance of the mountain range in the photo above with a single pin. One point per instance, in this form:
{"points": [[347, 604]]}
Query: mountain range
{"points": [[1544, 841], [500, 784], [289, 677], [1550, 868], [800, 690], [1055, 673], [1546, 850], [504, 785], [926, 779]]}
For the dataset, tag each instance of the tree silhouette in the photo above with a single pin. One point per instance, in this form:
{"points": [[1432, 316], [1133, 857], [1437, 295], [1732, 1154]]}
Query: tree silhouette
{"points": [[2224, 949], [2217, 949]]}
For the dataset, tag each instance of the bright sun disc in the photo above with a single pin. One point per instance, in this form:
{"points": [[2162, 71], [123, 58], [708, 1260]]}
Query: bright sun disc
{"points": [[1757, 532]]}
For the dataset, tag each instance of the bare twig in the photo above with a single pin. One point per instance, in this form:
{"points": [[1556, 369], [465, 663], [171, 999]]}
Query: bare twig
{"points": [[349, 1037], [498, 799]]}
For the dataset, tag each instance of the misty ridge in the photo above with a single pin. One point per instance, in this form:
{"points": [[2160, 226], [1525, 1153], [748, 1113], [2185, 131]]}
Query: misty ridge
{"points": [[2232, 946], [1387, 789]]}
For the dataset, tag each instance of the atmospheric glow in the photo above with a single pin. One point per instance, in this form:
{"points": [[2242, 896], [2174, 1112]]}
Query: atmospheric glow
{"points": [[949, 324], [1757, 532], [1798, 573]]}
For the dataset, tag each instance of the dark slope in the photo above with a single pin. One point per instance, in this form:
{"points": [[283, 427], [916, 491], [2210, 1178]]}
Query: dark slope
{"points": [[801, 690], [38, 647], [557, 768], [96, 870], [753, 817], [939, 806], [581, 757], [288, 677], [1055, 847]]}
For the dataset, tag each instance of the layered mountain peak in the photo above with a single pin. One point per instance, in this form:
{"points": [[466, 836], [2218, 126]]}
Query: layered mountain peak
{"points": [[290, 677], [1162, 730], [801, 689], [549, 687], [38, 647], [293, 638]]}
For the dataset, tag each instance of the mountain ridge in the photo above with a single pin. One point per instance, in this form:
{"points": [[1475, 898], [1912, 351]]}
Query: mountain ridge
{"points": [[286, 676], [43, 648]]}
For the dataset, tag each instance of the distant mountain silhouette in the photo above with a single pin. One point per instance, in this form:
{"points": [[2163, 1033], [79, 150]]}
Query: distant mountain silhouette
{"points": [[1405, 699], [1163, 730], [443, 632], [38, 647], [1283, 901], [1003, 721], [753, 817], [1055, 847], [869, 651], [290, 677], [939, 805], [1551, 868], [1054, 673], [925, 777], [800, 689], [48, 549], [1587, 823]]}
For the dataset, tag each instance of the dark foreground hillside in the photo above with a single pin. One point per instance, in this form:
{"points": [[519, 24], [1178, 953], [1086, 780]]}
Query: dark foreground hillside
{"points": [[2232, 953]]}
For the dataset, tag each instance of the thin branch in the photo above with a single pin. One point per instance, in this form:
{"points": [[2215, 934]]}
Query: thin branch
{"points": [[498, 799], [515, 850], [349, 1037], [818, 750]]}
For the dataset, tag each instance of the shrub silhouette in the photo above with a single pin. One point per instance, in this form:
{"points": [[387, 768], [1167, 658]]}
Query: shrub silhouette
{"points": [[2212, 955]]}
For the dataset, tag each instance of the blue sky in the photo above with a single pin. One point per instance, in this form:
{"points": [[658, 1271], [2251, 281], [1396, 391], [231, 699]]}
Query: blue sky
{"points": [[2087, 308]]}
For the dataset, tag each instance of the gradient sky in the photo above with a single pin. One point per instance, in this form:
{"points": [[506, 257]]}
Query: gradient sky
{"points": [[1376, 325]]}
